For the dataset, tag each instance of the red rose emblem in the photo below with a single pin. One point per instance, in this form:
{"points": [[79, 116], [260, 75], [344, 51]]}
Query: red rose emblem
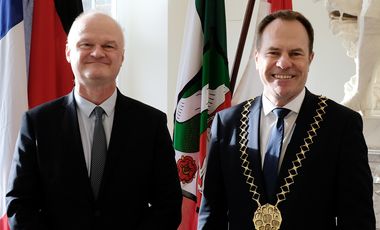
{"points": [[187, 168]]}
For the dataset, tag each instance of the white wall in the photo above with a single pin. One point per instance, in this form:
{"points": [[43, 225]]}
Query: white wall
{"points": [[154, 31], [144, 74]]}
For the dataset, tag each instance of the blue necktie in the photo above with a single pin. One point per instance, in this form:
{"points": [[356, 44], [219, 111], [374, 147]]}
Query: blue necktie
{"points": [[273, 152], [98, 151]]}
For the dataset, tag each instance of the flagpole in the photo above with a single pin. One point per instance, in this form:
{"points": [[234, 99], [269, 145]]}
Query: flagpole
{"points": [[240, 48]]}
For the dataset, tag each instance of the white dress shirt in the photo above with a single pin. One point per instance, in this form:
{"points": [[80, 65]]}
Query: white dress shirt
{"points": [[269, 119], [86, 122]]}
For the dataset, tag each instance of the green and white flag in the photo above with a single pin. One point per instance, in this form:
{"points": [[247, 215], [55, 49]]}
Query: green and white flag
{"points": [[203, 89]]}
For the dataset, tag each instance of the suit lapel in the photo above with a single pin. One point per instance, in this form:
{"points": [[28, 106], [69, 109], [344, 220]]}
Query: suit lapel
{"points": [[72, 139], [303, 121], [119, 136], [122, 137]]}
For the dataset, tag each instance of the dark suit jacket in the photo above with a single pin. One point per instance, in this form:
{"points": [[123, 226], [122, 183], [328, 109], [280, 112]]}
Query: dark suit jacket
{"points": [[332, 191], [49, 184]]}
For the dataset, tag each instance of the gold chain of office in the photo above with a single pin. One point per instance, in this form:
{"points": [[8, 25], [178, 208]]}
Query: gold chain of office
{"points": [[268, 216]]}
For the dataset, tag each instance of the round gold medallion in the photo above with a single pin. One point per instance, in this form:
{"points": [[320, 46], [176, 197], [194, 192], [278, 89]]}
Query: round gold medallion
{"points": [[267, 217]]}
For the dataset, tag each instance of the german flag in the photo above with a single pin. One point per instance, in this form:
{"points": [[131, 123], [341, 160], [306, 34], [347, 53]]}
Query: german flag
{"points": [[50, 75]]}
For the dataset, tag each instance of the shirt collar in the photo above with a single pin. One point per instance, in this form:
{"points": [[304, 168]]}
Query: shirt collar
{"points": [[294, 105], [87, 107]]}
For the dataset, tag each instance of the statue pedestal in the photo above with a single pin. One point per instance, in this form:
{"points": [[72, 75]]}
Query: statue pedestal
{"points": [[371, 131], [374, 162]]}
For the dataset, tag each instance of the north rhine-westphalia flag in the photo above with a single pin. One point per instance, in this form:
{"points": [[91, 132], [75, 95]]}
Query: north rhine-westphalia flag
{"points": [[33, 68], [250, 85], [203, 89]]}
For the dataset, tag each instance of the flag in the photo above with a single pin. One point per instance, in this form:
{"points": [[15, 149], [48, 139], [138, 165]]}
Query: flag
{"points": [[13, 89], [203, 88], [277, 5], [33, 68], [50, 75], [250, 85]]}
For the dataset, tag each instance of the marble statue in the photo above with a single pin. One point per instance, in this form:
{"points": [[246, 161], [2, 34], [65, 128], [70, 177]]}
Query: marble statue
{"points": [[357, 23]]}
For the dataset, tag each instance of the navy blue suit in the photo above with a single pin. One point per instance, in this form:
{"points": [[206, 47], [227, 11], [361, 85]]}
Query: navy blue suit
{"points": [[49, 183], [334, 182]]}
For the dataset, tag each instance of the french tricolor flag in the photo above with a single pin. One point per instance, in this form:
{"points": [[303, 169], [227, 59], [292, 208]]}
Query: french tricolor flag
{"points": [[13, 88], [33, 68]]}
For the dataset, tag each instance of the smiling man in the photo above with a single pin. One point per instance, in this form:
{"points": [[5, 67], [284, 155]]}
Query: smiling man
{"points": [[94, 159], [288, 159]]}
